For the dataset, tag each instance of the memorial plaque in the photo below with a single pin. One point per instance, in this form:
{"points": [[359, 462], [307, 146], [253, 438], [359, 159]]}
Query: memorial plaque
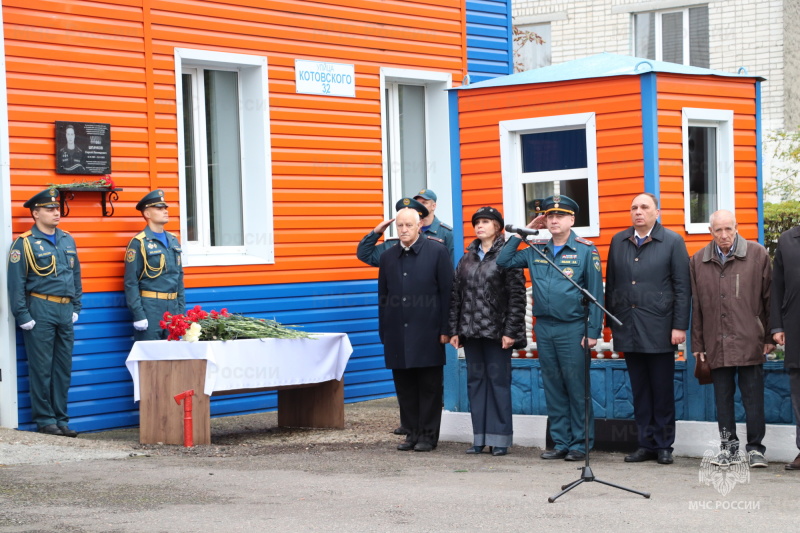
{"points": [[83, 148]]}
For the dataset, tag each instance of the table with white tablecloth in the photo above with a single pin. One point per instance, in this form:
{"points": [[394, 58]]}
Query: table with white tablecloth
{"points": [[307, 373]]}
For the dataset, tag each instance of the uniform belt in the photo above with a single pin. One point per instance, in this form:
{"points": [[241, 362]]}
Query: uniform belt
{"points": [[159, 295], [56, 299]]}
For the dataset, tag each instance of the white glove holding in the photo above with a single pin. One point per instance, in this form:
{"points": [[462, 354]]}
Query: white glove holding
{"points": [[27, 326], [74, 317], [140, 325]]}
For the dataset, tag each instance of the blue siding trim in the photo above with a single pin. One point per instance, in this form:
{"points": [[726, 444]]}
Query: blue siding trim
{"points": [[759, 168], [489, 39], [476, 43], [510, 30], [450, 369], [650, 133], [612, 396], [455, 174], [101, 392]]}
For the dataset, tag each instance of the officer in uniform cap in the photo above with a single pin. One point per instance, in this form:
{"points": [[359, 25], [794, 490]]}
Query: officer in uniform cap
{"points": [[432, 226], [153, 271], [44, 288], [434, 229], [369, 251], [560, 319]]}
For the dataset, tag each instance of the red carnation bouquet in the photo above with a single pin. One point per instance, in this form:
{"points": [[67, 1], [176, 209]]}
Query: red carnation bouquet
{"points": [[214, 325]]}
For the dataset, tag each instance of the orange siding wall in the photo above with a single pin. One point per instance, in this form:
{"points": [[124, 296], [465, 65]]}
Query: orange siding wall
{"points": [[677, 92], [617, 104], [112, 61]]}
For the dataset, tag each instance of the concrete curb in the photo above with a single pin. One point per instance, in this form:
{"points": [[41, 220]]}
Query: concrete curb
{"points": [[693, 439]]}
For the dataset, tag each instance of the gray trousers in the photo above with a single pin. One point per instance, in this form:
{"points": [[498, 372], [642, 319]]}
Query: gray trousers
{"points": [[489, 390]]}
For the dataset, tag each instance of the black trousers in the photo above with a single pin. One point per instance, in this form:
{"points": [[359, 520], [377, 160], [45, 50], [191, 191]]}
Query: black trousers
{"points": [[794, 384], [751, 385], [419, 393], [652, 376]]}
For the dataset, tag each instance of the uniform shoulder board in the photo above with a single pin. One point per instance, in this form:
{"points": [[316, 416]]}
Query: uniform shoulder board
{"points": [[170, 233], [445, 226], [140, 236], [26, 234], [66, 232], [437, 239], [584, 241]]}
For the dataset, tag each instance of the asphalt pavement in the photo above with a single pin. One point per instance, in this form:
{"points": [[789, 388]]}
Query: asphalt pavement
{"points": [[255, 476]]}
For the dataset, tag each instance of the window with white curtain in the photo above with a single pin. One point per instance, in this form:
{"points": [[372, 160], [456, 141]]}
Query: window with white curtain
{"points": [[677, 36], [225, 160], [213, 192], [416, 132]]}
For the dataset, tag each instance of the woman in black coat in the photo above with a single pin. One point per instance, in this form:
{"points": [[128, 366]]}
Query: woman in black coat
{"points": [[487, 318]]}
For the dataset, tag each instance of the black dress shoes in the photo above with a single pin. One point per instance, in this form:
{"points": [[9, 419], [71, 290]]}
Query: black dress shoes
{"points": [[499, 450], [475, 449], [575, 455], [406, 445], [664, 457], [423, 447], [51, 429], [68, 432], [554, 454], [400, 431], [641, 455], [794, 465]]}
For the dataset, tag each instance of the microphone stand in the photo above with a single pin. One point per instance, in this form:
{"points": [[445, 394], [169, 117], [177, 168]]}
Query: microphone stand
{"points": [[586, 297]]}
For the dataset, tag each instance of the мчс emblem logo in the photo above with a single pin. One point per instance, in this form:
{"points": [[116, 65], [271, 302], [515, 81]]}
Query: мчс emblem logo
{"points": [[723, 469]]}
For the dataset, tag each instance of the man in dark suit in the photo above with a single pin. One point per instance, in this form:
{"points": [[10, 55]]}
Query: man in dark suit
{"points": [[649, 289], [414, 284], [785, 316]]}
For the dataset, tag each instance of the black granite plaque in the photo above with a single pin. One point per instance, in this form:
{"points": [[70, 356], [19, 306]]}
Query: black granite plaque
{"points": [[83, 148]]}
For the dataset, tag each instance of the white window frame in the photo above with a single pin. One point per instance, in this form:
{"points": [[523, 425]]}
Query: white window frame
{"points": [[663, 8], [256, 164], [722, 120], [437, 142], [513, 177]]}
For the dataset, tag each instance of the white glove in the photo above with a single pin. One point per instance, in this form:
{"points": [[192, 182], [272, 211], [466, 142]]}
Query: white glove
{"points": [[27, 326], [140, 325], [74, 317]]}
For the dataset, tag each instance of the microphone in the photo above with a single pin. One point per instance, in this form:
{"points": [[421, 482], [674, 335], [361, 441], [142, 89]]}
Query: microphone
{"points": [[524, 232]]}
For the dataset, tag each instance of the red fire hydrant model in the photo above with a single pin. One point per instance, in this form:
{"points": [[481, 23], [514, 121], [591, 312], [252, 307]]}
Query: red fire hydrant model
{"points": [[186, 396]]}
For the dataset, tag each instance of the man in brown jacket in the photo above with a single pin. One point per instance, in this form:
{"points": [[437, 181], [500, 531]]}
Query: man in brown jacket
{"points": [[730, 316]]}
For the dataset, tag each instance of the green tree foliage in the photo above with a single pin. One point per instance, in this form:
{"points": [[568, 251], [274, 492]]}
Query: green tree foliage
{"points": [[785, 182], [777, 219]]}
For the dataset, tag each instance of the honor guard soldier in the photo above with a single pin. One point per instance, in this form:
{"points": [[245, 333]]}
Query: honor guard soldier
{"points": [[44, 286], [153, 271], [560, 319], [434, 229]]}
